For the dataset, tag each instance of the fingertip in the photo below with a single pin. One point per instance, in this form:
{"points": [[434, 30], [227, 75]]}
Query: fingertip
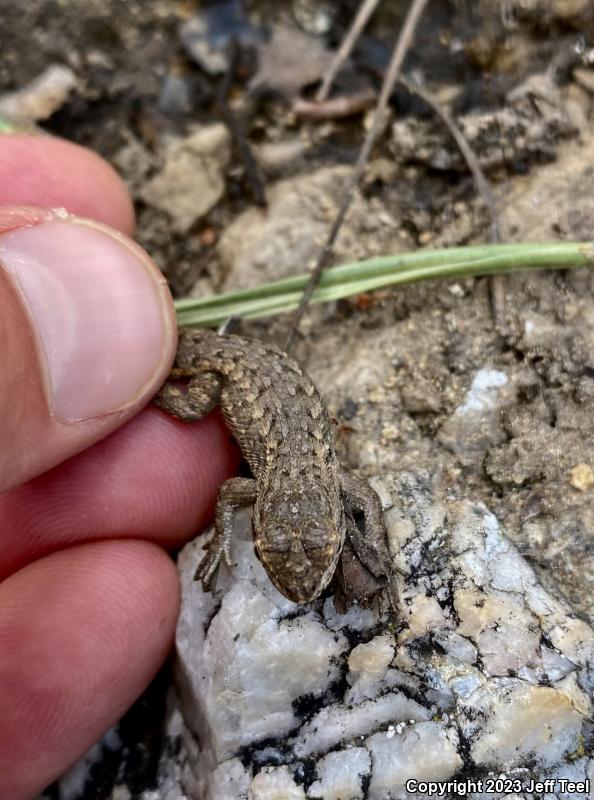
{"points": [[49, 172], [91, 331], [83, 632]]}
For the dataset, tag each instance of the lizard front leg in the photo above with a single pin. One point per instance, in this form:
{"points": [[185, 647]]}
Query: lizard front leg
{"points": [[233, 493], [371, 547], [202, 394]]}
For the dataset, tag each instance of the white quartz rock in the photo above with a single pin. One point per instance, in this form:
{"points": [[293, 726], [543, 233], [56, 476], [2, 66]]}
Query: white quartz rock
{"points": [[339, 723], [371, 660], [341, 775], [230, 780], [275, 783], [483, 671], [252, 664], [521, 722], [427, 751]]}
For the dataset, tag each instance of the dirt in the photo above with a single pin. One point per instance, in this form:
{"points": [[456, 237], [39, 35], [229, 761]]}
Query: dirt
{"points": [[417, 378], [427, 345], [396, 367]]}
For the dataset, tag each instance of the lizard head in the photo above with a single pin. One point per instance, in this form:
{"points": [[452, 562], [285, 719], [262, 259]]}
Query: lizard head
{"points": [[298, 536]]}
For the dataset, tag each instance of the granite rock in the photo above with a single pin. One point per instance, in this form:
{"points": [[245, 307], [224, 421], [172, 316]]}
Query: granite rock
{"points": [[481, 670]]}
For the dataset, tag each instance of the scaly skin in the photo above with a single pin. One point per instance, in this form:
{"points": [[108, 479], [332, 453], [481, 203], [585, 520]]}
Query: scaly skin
{"points": [[302, 499]]}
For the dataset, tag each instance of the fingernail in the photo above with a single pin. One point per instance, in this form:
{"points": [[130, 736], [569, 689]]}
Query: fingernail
{"points": [[101, 312]]}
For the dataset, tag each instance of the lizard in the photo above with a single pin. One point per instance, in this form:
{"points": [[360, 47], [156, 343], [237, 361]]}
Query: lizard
{"points": [[303, 501]]}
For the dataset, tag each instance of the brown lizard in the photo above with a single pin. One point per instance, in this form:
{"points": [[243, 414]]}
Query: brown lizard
{"points": [[302, 499]]}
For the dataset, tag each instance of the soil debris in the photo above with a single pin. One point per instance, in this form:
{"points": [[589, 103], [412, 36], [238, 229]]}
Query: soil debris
{"points": [[192, 180], [40, 98], [289, 61]]}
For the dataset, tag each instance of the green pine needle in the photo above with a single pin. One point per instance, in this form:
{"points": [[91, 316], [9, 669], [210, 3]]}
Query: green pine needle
{"points": [[376, 273]]}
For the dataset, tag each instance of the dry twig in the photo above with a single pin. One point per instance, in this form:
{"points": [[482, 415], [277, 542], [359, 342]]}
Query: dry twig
{"points": [[496, 282], [252, 172], [480, 182], [365, 11], [401, 48], [335, 107]]}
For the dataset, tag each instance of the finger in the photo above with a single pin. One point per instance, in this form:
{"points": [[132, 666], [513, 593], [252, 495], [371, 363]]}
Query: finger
{"points": [[52, 173], [89, 334], [156, 478], [82, 633]]}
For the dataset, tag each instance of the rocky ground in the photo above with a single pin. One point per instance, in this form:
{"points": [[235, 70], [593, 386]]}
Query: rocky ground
{"points": [[481, 667], [419, 379]]}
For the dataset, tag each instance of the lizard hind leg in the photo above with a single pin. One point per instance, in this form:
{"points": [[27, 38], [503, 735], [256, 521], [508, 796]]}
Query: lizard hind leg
{"points": [[234, 493], [202, 394], [373, 579], [371, 547]]}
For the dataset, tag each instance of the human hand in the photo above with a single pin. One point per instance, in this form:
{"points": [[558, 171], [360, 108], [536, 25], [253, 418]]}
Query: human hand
{"points": [[88, 599]]}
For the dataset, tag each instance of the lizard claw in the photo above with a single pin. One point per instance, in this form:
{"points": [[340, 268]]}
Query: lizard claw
{"points": [[218, 548], [207, 569]]}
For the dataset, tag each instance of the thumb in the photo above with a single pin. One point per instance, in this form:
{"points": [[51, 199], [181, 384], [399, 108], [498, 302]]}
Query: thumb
{"points": [[88, 334]]}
